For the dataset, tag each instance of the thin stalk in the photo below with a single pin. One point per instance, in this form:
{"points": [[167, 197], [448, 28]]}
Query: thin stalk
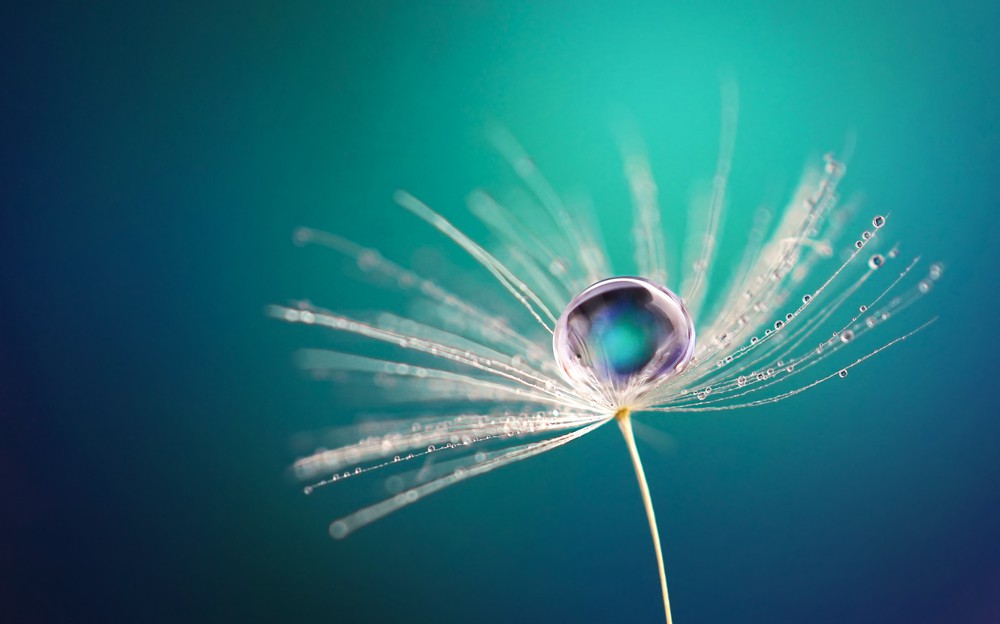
{"points": [[625, 424]]}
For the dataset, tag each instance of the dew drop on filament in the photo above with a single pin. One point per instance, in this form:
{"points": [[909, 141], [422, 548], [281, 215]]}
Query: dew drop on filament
{"points": [[621, 330]]}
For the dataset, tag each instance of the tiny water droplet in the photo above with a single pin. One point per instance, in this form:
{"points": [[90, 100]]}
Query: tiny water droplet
{"points": [[847, 336], [843, 373], [876, 261], [338, 529]]}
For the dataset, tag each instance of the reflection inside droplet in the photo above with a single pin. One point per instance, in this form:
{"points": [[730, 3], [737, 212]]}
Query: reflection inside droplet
{"points": [[623, 330]]}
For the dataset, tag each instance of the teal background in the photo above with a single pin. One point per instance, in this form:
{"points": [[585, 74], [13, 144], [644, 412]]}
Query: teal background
{"points": [[157, 159]]}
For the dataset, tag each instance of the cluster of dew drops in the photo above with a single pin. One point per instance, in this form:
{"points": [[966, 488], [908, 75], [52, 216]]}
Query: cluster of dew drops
{"points": [[845, 336]]}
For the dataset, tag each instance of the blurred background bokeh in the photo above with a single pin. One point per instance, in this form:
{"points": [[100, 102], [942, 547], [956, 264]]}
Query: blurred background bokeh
{"points": [[158, 158]]}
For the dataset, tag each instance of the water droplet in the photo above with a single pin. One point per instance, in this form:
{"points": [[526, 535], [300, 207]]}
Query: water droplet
{"points": [[847, 336], [779, 325], [338, 529], [862, 308], [307, 490], [936, 270], [806, 298], [430, 449], [623, 328], [859, 244], [368, 259], [843, 373], [924, 286], [741, 381], [876, 261], [878, 221]]}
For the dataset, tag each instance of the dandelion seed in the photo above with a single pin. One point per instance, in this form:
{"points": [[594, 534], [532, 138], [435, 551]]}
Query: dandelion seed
{"points": [[588, 345]]}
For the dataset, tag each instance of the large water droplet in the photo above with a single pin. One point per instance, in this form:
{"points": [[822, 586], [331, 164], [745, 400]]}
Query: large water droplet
{"points": [[622, 329]]}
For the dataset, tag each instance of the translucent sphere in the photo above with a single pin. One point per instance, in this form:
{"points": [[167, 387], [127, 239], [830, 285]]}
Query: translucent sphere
{"points": [[623, 330]]}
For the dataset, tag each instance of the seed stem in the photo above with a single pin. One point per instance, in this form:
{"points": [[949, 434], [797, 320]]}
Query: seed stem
{"points": [[625, 424]]}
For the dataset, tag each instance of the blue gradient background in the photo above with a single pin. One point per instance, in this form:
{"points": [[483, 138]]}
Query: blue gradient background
{"points": [[157, 160]]}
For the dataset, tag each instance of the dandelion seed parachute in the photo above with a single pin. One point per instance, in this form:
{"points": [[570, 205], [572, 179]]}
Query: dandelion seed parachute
{"points": [[589, 346]]}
